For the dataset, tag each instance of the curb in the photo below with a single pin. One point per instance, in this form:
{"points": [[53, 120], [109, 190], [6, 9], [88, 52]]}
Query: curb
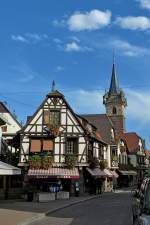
{"points": [[70, 204]]}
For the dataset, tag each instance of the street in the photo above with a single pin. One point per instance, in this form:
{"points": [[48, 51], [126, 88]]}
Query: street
{"points": [[108, 209]]}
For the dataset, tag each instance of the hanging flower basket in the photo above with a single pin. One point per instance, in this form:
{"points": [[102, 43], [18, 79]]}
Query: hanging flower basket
{"points": [[53, 130]]}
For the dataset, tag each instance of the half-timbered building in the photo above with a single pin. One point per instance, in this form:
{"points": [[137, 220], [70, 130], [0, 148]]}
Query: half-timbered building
{"points": [[56, 135]]}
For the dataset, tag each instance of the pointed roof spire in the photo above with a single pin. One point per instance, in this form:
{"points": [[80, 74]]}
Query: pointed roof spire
{"points": [[53, 86], [114, 86]]}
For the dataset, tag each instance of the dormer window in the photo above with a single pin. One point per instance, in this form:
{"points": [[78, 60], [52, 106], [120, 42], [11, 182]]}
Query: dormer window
{"points": [[114, 111]]}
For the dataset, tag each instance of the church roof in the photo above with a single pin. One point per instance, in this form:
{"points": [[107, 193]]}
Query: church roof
{"points": [[114, 86]]}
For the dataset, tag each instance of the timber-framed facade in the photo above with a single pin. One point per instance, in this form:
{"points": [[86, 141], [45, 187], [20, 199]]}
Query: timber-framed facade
{"points": [[55, 130]]}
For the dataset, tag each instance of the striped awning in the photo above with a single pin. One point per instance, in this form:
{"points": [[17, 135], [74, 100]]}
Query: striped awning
{"points": [[128, 172], [108, 173], [115, 175], [54, 173], [96, 172], [7, 169]]}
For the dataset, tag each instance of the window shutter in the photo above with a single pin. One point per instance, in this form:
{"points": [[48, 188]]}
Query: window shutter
{"points": [[35, 146], [48, 145]]}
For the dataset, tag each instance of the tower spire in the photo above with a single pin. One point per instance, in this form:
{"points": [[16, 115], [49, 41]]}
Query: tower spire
{"points": [[114, 86], [53, 86]]}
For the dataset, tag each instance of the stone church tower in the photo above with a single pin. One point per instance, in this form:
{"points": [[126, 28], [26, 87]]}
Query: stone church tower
{"points": [[115, 103]]}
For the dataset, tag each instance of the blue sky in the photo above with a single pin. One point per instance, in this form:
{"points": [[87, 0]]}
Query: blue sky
{"points": [[72, 42]]}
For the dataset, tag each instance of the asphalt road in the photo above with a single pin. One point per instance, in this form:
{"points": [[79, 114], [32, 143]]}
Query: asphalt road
{"points": [[111, 209]]}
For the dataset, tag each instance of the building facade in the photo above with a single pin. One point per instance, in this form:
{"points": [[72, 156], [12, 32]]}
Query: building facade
{"points": [[56, 145]]}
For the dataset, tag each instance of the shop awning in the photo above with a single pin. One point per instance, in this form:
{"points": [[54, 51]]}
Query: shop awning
{"points": [[128, 172], [97, 173], [108, 173], [7, 169], [54, 173], [115, 175]]}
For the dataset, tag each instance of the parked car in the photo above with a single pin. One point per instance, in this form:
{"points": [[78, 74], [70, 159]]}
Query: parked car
{"points": [[141, 204]]}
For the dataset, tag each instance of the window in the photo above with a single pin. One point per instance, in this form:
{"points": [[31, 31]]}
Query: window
{"points": [[90, 150], [114, 150], [4, 128], [114, 110], [72, 146], [52, 117]]}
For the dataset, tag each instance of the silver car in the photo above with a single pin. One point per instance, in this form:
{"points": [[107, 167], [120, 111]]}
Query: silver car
{"points": [[141, 204]]}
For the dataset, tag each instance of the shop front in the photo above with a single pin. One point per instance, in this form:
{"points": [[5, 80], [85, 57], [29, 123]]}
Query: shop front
{"points": [[127, 178], [96, 180], [53, 183], [10, 181]]}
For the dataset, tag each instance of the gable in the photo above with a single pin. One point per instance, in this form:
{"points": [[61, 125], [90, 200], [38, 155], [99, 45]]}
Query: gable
{"points": [[68, 120]]}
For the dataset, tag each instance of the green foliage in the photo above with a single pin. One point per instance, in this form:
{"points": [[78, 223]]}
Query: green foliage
{"points": [[103, 164], [44, 162], [34, 161], [47, 161], [70, 161], [114, 158]]}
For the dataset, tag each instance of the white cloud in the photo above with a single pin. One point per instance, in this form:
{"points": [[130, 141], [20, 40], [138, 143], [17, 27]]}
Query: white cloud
{"points": [[36, 37], [19, 38], [95, 19], [57, 40], [24, 73], [126, 48], [59, 68], [133, 23], [31, 38], [57, 23], [144, 3], [138, 105], [75, 47], [86, 101]]}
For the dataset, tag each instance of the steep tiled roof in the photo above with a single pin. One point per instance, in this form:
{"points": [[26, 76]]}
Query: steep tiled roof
{"points": [[132, 141], [103, 123], [147, 152], [3, 108]]}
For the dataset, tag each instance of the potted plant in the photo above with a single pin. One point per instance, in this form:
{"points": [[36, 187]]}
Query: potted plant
{"points": [[34, 161], [103, 164], [70, 161], [47, 161]]}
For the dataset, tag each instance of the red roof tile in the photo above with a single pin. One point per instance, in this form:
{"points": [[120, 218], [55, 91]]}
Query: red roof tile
{"points": [[132, 141]]}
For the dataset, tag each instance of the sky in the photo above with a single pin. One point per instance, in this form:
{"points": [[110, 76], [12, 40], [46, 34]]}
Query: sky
{"points": [[72, 42]]}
